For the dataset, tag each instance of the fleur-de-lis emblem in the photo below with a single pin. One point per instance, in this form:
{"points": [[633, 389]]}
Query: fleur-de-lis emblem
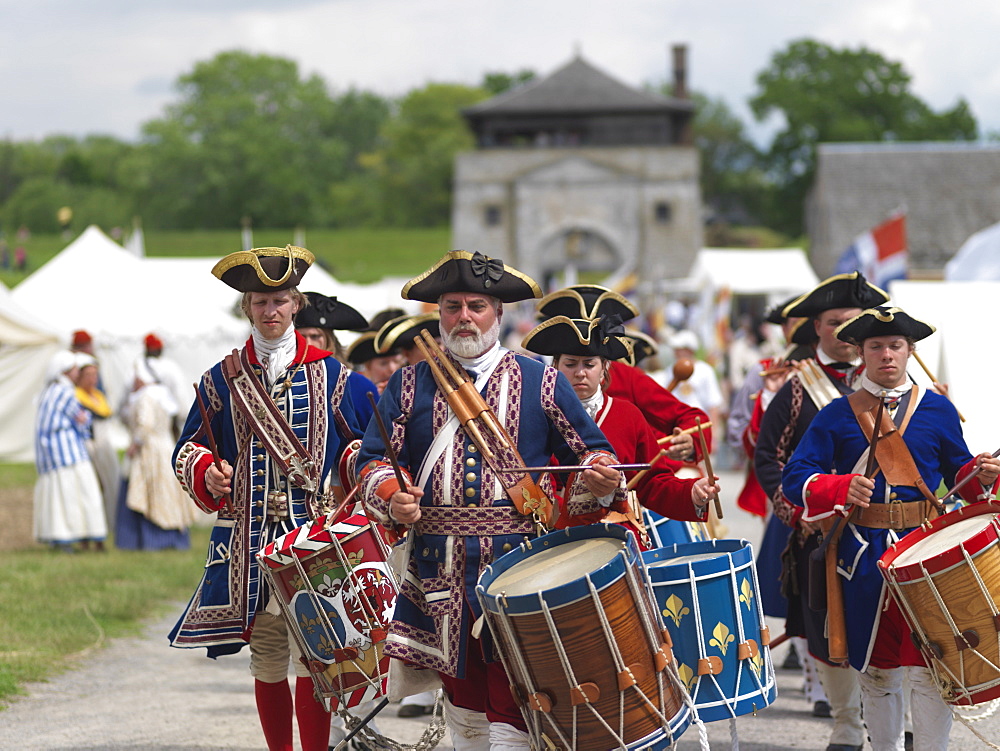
{"points": [[355, 558], [324, 647], [722, 638], [746, 593], [757, 663], [675, 609], [686, 675]]}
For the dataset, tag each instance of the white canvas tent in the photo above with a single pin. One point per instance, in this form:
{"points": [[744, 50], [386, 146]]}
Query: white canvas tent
{"points": [[97, 285], [26, 347], [978, 259], [955, 353], [718, 274]]}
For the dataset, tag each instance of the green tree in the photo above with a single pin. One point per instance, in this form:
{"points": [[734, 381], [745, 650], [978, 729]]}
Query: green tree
{"points": [[733, 182], [496, 82], [251, 137], [824, 94], [408, 179]]}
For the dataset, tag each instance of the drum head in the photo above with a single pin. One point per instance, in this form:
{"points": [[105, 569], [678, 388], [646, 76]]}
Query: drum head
{"points": [[943, 539], [555, 566], [691, 558]]}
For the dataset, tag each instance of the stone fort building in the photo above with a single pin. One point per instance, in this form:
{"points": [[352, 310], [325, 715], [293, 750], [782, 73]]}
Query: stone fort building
{"points": [[577, 172]]}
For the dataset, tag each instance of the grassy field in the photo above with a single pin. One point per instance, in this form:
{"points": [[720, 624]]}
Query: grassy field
{"points": [[357, 255], [56, 608]]}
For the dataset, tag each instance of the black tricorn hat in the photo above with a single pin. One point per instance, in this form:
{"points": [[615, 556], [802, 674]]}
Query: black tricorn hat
{"points": [[883, 321], [775, 315], [640, 346], [399, 333], [804, 332], [584, 337], [264, 269], [841, 291], [325, 312], [462, 271], [585, 301], [362, 349]]}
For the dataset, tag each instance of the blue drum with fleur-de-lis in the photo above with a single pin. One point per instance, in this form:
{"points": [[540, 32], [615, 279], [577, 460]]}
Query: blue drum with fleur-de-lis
{"points": [[707, 595]]}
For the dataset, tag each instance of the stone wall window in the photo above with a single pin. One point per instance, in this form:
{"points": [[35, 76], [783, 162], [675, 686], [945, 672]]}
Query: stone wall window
{"points": [[662, 212], [492, 216]]}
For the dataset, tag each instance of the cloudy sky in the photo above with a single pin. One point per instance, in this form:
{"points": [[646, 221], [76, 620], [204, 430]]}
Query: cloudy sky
{"points": [[107, 66]]}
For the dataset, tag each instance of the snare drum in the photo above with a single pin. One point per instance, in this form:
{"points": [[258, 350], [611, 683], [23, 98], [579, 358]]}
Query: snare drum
{"points": [[708, 595], [337, 594], [579, 637], [945, 576], [664, 532]]}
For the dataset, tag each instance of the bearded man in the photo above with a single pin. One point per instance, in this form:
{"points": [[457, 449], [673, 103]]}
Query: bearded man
{"points": [[466, 519]]}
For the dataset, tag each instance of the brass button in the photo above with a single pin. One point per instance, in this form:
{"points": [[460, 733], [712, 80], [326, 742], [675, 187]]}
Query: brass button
{"points": [[470, 462], [506, 547], [470, 492], [470, 477], [258, 503], [258, 518], [808, 493], [427, 551], [259, 472], [472, 505], [473, 449], [892, 496], [258, 488], [259, 457], [840, 562]]}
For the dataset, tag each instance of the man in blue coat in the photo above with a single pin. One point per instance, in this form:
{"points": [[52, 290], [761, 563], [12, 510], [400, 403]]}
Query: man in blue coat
{"points": [[882, 510], [281, 413], [466, 519]]}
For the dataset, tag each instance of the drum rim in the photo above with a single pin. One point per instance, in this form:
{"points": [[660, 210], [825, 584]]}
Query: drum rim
{"points": [[272, 551], [727, 549], [974, 545], [572, 591]]}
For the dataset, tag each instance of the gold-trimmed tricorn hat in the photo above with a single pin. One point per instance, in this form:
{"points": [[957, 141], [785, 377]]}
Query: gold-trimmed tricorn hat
{"points": [[883, 321], [586, 301], [462, 271], [840, 291], [264, 269], [640, 346], [581, 337]]}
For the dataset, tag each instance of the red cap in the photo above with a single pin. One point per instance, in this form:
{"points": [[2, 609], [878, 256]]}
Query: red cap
{"points": [[153, 342], [81, 337]]}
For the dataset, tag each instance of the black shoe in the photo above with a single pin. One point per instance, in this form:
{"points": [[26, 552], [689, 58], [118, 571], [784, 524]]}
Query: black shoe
{"points": [[792, 661], [908, 741], [414, 710], [844, 747], [822, 709]]}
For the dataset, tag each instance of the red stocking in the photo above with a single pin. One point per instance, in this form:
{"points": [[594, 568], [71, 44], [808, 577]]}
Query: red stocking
{"points": [[274, 707], [313, 719]]}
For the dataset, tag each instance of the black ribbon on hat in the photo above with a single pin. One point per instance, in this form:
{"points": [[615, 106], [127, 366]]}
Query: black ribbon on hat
{"points": [[609, 326], [325, 307], [490, 268]]}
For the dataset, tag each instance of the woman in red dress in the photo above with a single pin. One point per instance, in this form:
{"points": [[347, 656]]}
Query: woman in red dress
{"points": [[582, 350]]}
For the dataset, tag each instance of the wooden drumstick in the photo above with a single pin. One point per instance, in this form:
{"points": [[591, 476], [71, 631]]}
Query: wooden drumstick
{"points": [[686, 431], [683, 369], [708, 465], [639, 475], [934, 380]]}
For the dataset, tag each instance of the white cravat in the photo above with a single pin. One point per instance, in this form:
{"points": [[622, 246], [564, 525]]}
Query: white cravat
{"points": [[481, 363], [274, 354], [892, 394], [593, 404]]}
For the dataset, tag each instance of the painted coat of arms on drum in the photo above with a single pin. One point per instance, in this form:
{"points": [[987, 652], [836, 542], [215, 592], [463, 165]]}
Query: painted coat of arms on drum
{"points": [[335, 589]]}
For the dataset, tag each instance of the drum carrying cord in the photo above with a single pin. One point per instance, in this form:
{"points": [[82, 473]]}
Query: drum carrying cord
{"points": [[516, 660], [429, 740]]}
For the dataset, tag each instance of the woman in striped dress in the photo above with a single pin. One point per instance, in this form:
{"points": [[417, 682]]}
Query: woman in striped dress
{"points": [[68, 503]]}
